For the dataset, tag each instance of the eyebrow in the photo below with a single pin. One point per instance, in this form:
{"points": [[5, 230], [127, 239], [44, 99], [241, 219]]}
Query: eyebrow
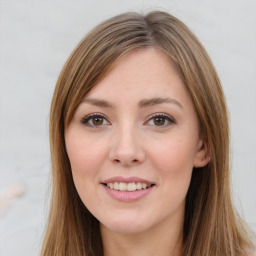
{"points": [[142, 104], [156, 101], [98, 103]]}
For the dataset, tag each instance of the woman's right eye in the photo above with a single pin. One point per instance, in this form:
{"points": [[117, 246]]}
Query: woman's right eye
{"points": [[95, 120]]}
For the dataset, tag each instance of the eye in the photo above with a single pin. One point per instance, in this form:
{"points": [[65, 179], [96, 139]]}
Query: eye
{"points": [[95, 120], [160, 120]]}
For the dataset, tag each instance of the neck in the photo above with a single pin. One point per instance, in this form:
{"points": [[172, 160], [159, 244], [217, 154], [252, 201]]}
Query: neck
{"points": [[157, 241]]}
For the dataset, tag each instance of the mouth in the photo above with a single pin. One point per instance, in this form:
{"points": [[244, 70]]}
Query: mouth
{"points": [[128, 189], [128, 186]]}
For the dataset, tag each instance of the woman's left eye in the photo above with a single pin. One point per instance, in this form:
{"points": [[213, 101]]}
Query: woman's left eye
{"points": [[160, 120]]}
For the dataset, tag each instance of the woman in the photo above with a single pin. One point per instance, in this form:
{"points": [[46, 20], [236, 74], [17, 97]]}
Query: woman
{"points": [[140, 146]]}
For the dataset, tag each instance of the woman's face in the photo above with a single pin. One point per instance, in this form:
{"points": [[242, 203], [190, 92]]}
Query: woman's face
{"points": [[132, 145]]}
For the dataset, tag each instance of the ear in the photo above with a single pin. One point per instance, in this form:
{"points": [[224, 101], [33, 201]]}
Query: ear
{"points": [[202, 157]]}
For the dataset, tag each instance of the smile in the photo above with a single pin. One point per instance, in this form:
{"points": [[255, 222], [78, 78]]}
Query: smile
{"points": [[128, 189], [131, 186]]}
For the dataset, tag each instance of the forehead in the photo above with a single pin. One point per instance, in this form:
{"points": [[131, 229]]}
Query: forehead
{"points": [[141, 65], [144, 73]]}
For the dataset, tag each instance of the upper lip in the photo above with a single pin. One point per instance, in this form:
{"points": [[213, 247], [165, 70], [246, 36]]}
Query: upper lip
{"points": [[126, 180]]}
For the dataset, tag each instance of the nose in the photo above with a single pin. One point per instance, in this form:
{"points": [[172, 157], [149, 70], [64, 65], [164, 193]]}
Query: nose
{"points": [[126, 148]]}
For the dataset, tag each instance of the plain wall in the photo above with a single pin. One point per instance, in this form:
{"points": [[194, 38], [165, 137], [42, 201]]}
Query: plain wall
{"points": [[36, 37]]}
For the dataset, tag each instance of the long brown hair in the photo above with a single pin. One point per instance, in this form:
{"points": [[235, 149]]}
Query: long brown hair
{"points": [[211, 225]]}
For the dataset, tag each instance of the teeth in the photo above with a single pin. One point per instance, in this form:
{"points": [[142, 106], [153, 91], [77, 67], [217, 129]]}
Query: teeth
{"points": [[122, 186], [116, 185], [131, 186], [139, 185]]}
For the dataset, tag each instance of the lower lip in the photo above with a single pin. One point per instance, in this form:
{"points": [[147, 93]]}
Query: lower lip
{"points": [[126, 196]]}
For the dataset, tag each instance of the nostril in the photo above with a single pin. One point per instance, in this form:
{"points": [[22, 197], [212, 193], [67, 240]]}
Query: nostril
{"points": [[134, 161]]}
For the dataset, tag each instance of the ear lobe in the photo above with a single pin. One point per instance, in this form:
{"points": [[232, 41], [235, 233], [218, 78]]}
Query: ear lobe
{"points": [[202, 156]]}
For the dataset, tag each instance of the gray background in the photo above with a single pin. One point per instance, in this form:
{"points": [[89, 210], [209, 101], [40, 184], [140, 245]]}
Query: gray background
{"points": [[36, 37]]}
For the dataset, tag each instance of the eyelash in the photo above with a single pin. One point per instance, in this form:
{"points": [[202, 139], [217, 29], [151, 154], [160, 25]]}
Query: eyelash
{"points": [[165, 117], [86, 120]]}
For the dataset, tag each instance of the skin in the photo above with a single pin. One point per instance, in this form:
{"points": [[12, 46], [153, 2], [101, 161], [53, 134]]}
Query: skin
{"points": [[130, 141]]}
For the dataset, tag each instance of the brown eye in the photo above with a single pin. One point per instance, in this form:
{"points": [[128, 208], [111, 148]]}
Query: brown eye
{"points": [[158, 121], [161, 120], [97, 120]]}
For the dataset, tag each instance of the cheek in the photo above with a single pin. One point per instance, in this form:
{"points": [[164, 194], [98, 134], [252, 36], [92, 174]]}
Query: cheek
{"points": [[176, 155], [84, 159], [86, 163], [174, 162]]}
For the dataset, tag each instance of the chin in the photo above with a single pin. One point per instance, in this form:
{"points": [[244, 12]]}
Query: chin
{"points": [[126, 225], [127, 228]]}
